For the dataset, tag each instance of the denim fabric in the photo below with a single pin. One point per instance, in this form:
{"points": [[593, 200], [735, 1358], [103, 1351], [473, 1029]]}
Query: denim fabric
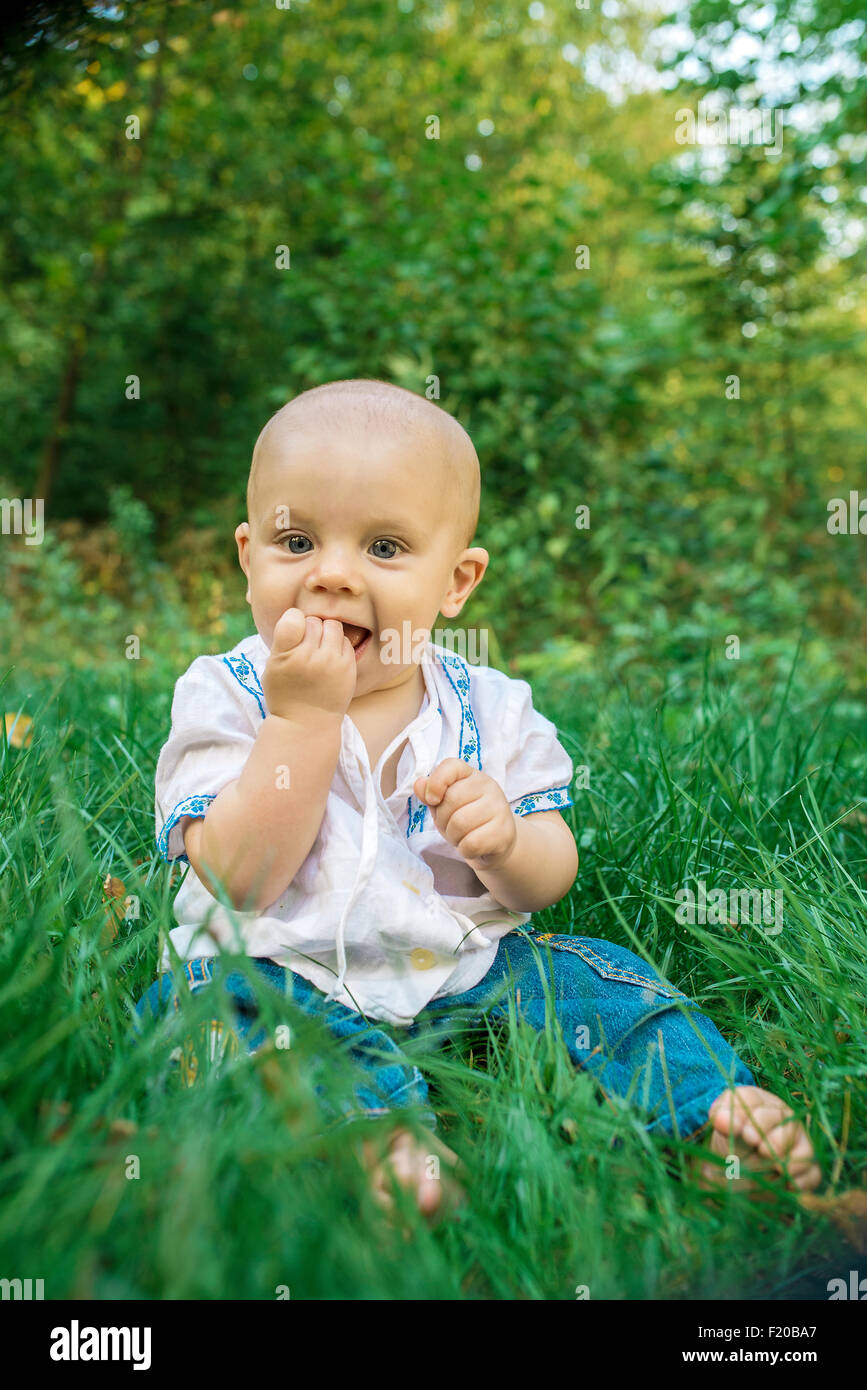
{"points": [[389, 1080], [640, 1038]]}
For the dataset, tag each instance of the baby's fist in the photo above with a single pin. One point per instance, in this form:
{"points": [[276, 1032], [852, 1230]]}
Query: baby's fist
{"points": [[311, 667], [470, 810]]}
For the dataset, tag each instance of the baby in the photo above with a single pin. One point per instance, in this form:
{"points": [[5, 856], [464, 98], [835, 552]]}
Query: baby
{"points": [[373, 820]]}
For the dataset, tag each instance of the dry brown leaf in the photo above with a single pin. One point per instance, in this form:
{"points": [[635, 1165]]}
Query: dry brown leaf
{"points": [[114, 895], [55, 1111]]}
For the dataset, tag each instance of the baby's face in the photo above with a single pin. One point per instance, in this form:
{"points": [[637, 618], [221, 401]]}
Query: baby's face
{"points": [[356, 526]]}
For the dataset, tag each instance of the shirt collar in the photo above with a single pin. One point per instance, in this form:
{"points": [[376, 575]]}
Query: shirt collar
{"points": [[446, 680], [423, 732]]}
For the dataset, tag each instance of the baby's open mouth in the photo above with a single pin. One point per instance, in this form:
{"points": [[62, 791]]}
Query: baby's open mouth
{"points": [[357, 635]]}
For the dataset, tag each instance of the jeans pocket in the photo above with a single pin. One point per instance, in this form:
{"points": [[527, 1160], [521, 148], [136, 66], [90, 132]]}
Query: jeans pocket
{"points": [[610, 962]]}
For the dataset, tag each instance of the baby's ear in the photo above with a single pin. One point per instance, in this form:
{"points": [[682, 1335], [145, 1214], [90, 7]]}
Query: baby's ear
{"points": [[242, 539]]}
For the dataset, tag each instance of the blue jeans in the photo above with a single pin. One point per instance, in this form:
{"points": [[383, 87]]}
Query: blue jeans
{"points": [[637, 1035]]}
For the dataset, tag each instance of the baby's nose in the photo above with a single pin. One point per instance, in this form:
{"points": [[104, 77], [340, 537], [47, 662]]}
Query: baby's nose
{"points": [[336, 568]]}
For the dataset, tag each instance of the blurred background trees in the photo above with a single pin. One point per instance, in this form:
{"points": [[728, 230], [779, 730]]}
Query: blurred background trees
{"points": [[695, 377]]}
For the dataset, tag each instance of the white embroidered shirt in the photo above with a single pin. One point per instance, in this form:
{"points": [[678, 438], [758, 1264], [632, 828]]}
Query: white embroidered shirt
{"points": [[384, 914]]}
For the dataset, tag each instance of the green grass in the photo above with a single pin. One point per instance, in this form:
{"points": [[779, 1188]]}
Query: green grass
{"points": [[742, 777]]}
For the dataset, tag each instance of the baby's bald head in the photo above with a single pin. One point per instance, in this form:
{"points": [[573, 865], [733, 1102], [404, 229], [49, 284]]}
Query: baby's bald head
{"points": [[379, 407]]}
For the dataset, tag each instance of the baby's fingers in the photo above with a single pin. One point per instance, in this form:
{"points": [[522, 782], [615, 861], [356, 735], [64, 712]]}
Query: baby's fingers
{"points": [[289, 630], [333, 635], [449, 771]]}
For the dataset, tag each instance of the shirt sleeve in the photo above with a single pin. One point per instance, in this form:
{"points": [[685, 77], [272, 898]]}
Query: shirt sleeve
{"points": [[215, 721], [538, 768]]}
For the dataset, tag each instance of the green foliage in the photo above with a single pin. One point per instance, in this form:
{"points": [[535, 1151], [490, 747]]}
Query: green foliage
{"points": [[156, 258]]}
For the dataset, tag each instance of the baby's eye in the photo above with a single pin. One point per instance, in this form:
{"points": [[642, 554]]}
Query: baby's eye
{"points": [[294, 537], [386, 542]]}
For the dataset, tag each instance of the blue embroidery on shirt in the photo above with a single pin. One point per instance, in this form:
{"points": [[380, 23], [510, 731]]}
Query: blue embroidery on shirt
{"points": [[245, 674], [471, 744], [416, 818], [543, 801], [468, 745], [190, 806]]}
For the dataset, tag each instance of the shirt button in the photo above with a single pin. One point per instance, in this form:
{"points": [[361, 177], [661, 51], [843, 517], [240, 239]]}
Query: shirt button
{"points": [[422, 958]]}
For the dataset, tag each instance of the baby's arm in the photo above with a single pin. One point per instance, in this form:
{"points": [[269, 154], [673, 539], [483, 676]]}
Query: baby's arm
{"points": [[541, 867], [525, 862], [258, 830], [258, 833]]}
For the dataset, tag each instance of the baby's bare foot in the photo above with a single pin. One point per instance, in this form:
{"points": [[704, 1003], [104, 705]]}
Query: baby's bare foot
{"points": [[424, 1167], [760, 1130]]}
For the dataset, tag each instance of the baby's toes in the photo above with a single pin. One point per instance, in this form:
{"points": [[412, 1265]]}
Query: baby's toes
{"points": [[734, 1099], [750, 1112], [762, 1122], [789, 1145], [410, 1165], [734, 1109], [808, 1180]]}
